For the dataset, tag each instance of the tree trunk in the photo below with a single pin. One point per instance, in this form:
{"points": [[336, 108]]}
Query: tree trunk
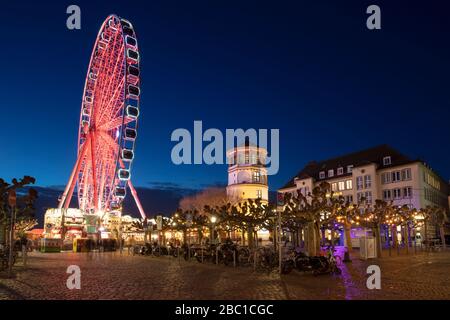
{"points": [[3, 233], [332, 239], [299, 237], [200, 235], [250, 237], [378, 240], [184, 236], [394, 236], [317, 233], [312, 237], [441, 231], [406, 235], [348, 238], [305, 238]]}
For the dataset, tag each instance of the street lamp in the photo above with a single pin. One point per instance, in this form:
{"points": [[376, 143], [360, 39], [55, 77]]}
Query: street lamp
{"points": [[213, 221]]}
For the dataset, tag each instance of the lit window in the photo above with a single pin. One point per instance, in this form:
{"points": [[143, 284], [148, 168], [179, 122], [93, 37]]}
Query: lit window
{"points": [[396, 176], [367, 181], [368, 196], [386, 178], [387, 160], [359, 183], [359, 197], [322, 174], [259, 194], [407, 192], [331, 173], [340, 171], [406, 174], [341, 185], [349, 184], [334, 186], [256, 176], [350, 168]]}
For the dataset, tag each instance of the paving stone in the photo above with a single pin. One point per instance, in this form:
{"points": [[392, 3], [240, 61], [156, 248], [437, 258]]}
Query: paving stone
{"points": [[116, 276]]}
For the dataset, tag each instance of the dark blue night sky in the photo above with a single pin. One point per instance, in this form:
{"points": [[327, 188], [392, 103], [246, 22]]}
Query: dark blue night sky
{"points": [[310, 68]]}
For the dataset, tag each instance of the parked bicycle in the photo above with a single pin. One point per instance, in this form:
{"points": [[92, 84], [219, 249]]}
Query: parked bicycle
{"points": [[315, 264], [4, 257]]}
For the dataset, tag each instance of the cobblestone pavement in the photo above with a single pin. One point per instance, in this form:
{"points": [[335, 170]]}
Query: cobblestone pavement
{"points": [[116, 276]]}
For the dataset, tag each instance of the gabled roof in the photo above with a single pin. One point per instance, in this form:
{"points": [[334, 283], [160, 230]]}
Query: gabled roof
{"points": [[372, 155]]}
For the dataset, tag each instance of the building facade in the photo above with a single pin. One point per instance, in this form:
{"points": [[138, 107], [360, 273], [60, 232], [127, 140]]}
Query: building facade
{"points": [[377, 173]]}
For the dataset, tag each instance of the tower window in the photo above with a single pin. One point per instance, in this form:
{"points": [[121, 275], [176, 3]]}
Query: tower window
{"points": [[256, 176]]}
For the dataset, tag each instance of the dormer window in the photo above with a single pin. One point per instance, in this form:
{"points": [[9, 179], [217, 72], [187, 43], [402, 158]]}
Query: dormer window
{"points": [[322, 175], [387, 161], [340, 171], [349, 168], [331, 173]]}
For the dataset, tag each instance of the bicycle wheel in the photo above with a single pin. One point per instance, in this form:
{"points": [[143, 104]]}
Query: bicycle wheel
{"points": [[287, 266]]}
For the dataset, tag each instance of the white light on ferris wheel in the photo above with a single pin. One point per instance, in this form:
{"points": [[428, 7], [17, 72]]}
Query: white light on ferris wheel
{"points": [[117, 134]]}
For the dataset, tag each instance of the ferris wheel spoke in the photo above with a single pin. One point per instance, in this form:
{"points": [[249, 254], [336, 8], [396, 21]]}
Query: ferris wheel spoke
{"points": [[110, 77], [111, 170], [98, 93], [113, 84], [113, 145], [114, 102], [105, 171], [115, 123]]}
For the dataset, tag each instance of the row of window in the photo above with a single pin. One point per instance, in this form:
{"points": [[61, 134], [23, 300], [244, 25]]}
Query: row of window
{"points": [[435, 196], [396, 176], [363, 182], [397, 193], [339, 171], [246, 158], [342, 185], [431, 180], [367, 195]]}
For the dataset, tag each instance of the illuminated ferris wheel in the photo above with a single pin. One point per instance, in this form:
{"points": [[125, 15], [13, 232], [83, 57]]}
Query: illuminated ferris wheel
{"points": [[108, 122]]}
